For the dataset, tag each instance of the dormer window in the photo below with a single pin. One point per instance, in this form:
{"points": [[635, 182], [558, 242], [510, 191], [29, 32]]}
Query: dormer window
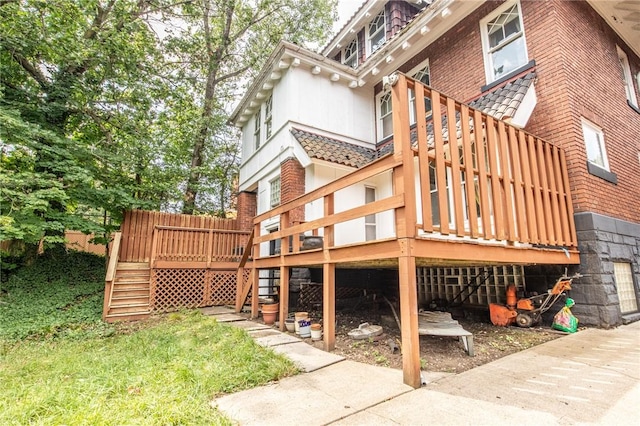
{"points": [[256, 129], [350, 54], [268, 108], [376, 34]]}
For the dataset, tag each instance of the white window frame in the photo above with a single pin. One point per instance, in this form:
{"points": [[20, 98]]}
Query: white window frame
{"points": [[268, 116], [588, 126], [412, 97], [627, 78], [380, 118], [370, 219], [351, 58], [488, 51], [257, 127], [371, 48], [275, 192]]}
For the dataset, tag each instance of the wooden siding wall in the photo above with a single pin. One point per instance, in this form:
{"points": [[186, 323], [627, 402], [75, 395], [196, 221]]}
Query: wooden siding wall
{"points": [[138, 227]]}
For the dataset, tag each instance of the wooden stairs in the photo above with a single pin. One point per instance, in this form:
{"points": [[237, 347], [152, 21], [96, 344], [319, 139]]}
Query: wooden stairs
{"points": [[129, 295]]}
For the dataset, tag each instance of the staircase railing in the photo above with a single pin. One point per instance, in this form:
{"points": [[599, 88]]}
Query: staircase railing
{"points": [[243, 288], [111, 273]]}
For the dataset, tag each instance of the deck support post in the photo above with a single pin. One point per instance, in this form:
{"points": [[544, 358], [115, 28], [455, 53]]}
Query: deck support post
{"points": [[283, 296], [328, 280], [409, 316]]}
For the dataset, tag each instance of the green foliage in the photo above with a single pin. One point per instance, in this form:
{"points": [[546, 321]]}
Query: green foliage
{"points": [[59, 295], [59, 364]]}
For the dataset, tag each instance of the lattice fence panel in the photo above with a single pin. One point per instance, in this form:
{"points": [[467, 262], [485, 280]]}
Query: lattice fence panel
{"points": [[222, 290], [311, 295], [173, 289]]}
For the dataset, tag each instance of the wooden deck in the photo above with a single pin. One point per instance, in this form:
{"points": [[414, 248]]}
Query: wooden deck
{"points": [[516, 211]]}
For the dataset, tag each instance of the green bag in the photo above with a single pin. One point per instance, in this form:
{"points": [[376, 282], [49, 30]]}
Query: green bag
{"points": [[564, 319]]}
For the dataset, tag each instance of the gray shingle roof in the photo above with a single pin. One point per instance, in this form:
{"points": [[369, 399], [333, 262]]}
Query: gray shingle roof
{"points": [[503, 102], [335, 151]]}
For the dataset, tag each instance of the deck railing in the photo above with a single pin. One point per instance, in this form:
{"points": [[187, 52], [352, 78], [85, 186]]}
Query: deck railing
{"points": [[197, 246], [500, 184]]}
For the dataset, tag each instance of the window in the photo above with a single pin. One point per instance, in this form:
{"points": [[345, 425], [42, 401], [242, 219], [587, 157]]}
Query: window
{"points": [[268, 108], [274, 194], [376, 35], [626, 77], [626, 289], [503, 41], [422, 74], [350, 54], [385, 123], [594, 142], [256, 128], [370, 219]]}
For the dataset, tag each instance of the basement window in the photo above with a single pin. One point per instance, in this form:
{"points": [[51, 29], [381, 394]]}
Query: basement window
{"points": [[626, 289]]}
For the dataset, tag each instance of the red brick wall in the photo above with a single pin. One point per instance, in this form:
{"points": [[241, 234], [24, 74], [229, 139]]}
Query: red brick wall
{"points": [[247, 209], [292, 178], [578, 74]]}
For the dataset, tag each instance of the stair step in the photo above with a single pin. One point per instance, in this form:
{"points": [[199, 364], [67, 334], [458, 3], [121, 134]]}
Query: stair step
{"points": [[132, 265], [131, 286], [129, 300], [130, 292], [136, 308], [137, 275], [131, 281], [127, 316]]}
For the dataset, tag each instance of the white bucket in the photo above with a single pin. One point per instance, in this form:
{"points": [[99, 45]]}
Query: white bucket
{"points": [[304, 326]]}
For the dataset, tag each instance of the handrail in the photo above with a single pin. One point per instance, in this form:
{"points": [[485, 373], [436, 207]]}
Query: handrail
{"points": [[111, 273], [181, 228], [241, 291]]}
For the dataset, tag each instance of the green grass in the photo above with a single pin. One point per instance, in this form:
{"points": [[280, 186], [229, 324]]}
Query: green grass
{"points": [[162, 371]]}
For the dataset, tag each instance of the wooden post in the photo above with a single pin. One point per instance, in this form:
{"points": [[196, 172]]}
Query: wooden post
{"points": [[406, 217], [328, 281], [255, 276], [284, 272]]}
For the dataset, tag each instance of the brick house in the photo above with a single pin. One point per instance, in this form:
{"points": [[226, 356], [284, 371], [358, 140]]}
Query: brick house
{"points": [[566, 71]]}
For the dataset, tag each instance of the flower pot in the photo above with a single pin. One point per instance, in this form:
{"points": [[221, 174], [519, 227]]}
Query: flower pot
{"points": [[290, 323], [299, 316], [316, 332], [270, 312], [305, 328]]}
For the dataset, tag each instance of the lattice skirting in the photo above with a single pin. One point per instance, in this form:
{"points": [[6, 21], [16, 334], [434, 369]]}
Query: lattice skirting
{"points": [[311, 295], [173, 289]]}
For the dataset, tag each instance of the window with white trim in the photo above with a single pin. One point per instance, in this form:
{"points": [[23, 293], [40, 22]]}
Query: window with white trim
{"points": [[350, 54], [594, 142], [626, 77], [256, 128], [370, 219], [503, 41], [274, 192], [385, 121], [422, 74], [376, 33], [268, 109]]}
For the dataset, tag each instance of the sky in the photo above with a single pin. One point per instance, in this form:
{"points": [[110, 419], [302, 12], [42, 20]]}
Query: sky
{"points": [[346, 8]]}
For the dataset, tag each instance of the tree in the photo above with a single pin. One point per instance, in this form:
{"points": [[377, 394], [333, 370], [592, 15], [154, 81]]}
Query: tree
{"points": [[224, 42]]}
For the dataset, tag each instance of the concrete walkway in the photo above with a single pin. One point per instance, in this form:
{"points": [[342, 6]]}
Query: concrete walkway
{"points": [[591, 377]]}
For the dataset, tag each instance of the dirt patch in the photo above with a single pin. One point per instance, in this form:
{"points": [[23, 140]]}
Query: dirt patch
{"points": [[442, 354]]}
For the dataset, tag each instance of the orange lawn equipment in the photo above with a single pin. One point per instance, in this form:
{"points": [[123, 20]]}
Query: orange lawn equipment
{"points": [[527, 311]]}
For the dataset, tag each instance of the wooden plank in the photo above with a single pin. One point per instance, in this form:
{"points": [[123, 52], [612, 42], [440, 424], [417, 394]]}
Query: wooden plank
{"points": [[329, 306], [496, 192], [469, 174], [555, 209], [149, 238], [389, 203], [522, 232], [485, 211], [506, 182], [567, 189], [544, 183], [124, 228], [409, 316], [537, 191], [441, 180], [284, 296], [456, 181], [528, 192], [562, 199], [423, 159]]}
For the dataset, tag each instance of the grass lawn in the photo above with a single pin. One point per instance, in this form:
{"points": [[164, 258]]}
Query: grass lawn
{"points": [[73, 369]]}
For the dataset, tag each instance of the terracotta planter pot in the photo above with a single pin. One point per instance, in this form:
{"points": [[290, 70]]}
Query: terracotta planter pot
{"points": [[270, 312]]}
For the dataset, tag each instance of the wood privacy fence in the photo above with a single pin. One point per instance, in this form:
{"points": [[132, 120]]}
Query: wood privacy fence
{"points": [[138, 227]]}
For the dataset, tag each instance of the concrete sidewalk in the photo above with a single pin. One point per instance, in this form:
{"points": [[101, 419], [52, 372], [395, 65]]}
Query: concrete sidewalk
{"points": [[591, 377]]}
